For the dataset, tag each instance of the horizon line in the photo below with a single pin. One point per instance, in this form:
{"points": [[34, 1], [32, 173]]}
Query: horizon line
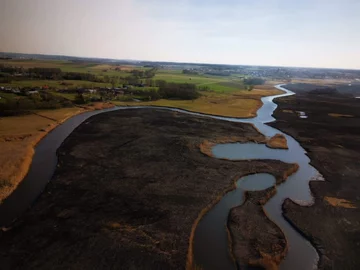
{"points": [[177, 62]]}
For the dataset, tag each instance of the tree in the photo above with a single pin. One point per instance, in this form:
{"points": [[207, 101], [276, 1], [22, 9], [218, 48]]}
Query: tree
{"points": [[114, 81], [79, 99], [249, 87]]}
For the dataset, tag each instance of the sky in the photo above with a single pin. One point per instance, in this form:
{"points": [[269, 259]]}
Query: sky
{"points": [[303, 33]]}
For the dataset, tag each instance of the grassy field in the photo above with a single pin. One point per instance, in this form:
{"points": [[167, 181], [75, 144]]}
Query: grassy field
{"points": [[240, 104], [100, 70], [215, 83]]}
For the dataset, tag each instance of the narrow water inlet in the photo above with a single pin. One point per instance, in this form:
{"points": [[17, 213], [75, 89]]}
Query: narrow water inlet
{"points": [[301, 254], [210, 249]]}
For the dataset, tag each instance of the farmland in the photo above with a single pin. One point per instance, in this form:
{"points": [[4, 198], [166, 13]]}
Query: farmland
{"points": [[218, 95], [240, 104]]}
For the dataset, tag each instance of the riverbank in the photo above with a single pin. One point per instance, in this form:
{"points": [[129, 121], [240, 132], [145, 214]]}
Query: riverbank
{"points": [[333, 143], [136, 202], [19, 135], [239, 104]]}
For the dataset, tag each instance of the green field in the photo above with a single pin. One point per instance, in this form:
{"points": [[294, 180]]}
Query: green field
{"points": [[221, 84], [215, 83], [100, 70]]}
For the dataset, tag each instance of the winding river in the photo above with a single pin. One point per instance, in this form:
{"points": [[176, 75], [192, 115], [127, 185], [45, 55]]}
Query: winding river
{"points": [[211, 240]]}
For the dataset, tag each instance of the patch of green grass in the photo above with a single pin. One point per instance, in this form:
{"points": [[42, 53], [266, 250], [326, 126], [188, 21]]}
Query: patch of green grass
{"points": [[220, 84], [186, 78], [7, 96], [69, 96]]}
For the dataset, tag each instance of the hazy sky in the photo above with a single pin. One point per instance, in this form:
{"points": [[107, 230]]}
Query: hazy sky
{"points": [[313, 33]]}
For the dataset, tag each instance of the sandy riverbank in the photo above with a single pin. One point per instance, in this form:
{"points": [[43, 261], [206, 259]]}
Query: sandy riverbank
{"points": [[19, 136]]}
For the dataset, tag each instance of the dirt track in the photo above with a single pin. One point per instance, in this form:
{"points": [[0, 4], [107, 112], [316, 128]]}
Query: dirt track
{"points": [[127, 190], [333, 144]]}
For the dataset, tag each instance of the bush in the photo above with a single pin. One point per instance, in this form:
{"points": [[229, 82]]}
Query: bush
{"points": [[41, 101]]}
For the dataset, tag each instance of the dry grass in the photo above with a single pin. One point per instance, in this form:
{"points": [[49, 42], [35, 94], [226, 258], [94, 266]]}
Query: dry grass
{"points": [[277, 141], [340, 115], [207, 145], [339, 202], [243, 104], [18, 137]]}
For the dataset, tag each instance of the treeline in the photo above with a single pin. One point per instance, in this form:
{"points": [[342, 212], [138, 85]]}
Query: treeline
{"points": [[10, 69], [254, 81], [145, 74], [38, 101], [177, 90], [218, 73], [45, 73], [190, 72], [135, 77], [77, 76]]}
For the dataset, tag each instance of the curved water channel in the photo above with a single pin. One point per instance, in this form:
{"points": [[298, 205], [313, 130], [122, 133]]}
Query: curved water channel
{"points": [[211, 236], [211, 233]]}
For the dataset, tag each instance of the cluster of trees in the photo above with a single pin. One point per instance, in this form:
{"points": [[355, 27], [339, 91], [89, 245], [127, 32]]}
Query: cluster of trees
{"points": [[45, 73], [254, 81], [137, 76], [178, 91], [190, 72], [80, 77], [166, 90], [149, 73], [5, 78], [218, 73], [10, 69], [38, 101]]}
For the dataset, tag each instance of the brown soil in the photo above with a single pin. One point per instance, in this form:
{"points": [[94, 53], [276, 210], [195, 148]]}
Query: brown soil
{"points": [[127, 192], [333, 145], [277, 141]]}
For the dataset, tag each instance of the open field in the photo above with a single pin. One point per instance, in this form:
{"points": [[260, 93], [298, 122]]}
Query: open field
{"points": [[69, 66], [240, 104], [137, 203], [332, 223], [55, 84], [100, 70], [215, 83], [18, 137]]}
